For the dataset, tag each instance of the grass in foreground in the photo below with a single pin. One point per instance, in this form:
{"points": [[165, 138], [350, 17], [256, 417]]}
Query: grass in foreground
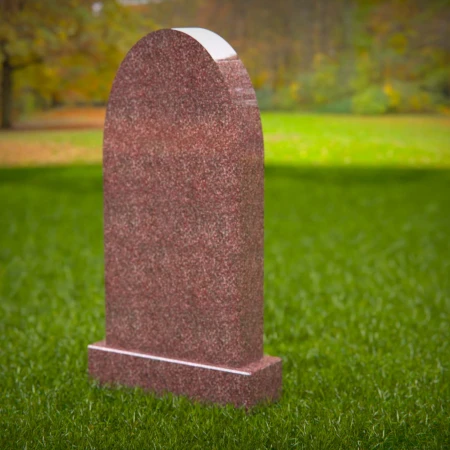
{"points": [[357, 305]]}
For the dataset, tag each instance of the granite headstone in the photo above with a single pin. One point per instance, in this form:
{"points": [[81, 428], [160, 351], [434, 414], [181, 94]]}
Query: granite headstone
{"points": [[184, 224]]}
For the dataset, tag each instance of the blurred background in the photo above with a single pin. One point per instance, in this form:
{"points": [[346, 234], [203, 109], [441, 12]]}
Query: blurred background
{"points": [[340, 56]]}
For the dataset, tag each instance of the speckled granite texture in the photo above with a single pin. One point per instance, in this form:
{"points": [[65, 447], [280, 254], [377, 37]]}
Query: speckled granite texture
{"points": [[184, 224]]}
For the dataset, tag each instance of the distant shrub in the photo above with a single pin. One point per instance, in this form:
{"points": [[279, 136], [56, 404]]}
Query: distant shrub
{"points": [[281, 99], [370, 101], [324, 79], [407, 97], [342, 106], [284, 99], [437, 84], [265, 97]]}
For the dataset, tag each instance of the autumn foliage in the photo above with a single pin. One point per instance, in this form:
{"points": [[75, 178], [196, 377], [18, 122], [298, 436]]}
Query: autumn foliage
{"points": [[361, 56]]}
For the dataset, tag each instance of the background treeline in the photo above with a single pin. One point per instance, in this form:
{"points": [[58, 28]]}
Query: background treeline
{"points": [[361, 56]]}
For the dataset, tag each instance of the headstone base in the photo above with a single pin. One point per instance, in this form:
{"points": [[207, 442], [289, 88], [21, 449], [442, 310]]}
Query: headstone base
{"points": [[242, 386]]}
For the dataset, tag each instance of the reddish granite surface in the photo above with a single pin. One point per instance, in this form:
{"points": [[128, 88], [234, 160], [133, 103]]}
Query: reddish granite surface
{"points": [[184, 224]]}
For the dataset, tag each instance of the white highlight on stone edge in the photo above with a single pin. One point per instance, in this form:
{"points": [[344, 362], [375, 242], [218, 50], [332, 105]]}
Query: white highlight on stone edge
{"points": [[175, 361], [215, 45]]}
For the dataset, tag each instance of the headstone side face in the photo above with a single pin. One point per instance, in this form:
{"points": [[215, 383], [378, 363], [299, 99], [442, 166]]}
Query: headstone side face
{"points": [[184, 223]]}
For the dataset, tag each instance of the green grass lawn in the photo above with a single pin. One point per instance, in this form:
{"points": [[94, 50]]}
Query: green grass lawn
{"points": [[357, 292], [296, 139], [91, 139]]}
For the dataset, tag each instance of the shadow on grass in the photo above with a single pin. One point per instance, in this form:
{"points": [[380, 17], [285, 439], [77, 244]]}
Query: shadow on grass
{"points": [[77, 179], [83, 179], [354, 174]]}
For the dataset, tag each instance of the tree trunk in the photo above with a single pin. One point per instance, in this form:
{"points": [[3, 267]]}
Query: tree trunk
{"points": [[6, 94]]}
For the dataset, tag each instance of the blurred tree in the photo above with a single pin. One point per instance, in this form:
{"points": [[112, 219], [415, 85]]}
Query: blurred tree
{"points": [[63, 46], [369, 56]]}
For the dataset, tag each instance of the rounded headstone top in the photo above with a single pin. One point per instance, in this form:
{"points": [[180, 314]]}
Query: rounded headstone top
{"points": [[215, 45]]}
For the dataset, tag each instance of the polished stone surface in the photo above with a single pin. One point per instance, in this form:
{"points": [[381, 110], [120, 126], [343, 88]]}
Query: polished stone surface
{"points": [[184, 223]]}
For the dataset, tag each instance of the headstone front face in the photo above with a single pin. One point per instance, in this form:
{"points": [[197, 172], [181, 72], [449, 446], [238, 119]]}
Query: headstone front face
{"points": [[184, 224]]}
